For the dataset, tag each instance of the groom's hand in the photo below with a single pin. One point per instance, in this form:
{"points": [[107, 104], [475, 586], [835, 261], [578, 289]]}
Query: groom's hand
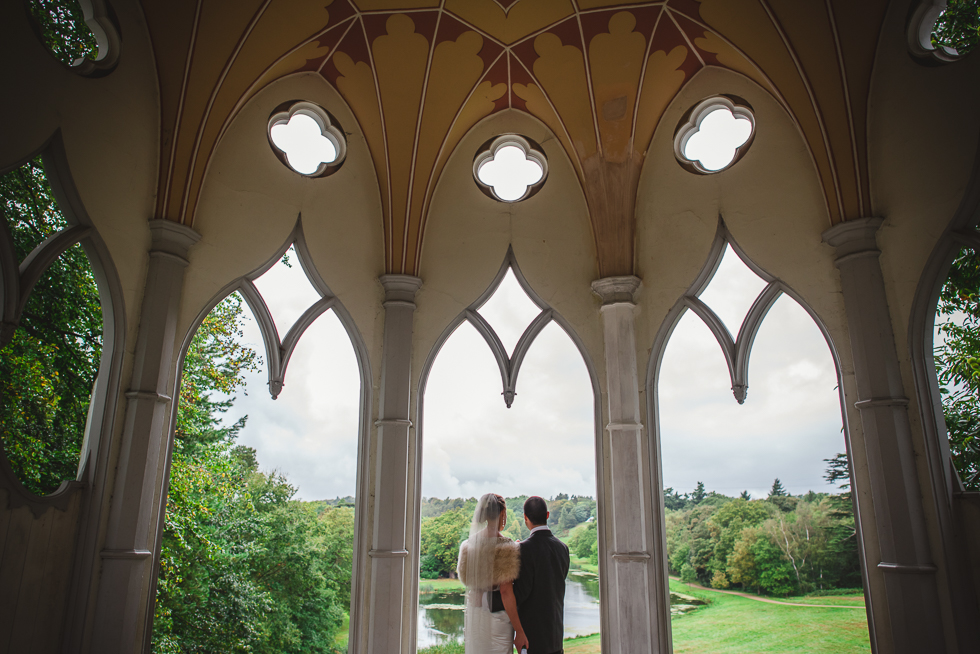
{"points": [[520, 641]]}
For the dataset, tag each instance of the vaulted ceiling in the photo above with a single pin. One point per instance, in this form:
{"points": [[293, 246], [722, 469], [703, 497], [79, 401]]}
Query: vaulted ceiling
{"points": [[418, 74]]}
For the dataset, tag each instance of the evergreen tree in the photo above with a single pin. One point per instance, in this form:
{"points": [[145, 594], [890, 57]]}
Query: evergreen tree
{"points": [[777, 489], [699, 494], [745, 495]]}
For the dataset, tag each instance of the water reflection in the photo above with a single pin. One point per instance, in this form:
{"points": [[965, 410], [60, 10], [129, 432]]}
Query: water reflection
{"points": [[441, 614], [440, 618]]}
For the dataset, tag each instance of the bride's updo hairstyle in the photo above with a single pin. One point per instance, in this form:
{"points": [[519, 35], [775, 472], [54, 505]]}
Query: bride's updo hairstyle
{"points": [[490, 507]]}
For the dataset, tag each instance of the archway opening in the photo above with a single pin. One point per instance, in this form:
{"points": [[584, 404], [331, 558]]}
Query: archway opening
{"points": [[957, 359], [257, 550], [756, 491], [52, 334], [542, 444]]}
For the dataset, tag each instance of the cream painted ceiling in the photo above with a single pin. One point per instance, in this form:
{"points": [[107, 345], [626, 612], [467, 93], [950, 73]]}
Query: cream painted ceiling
{"points": [[418, 74]]}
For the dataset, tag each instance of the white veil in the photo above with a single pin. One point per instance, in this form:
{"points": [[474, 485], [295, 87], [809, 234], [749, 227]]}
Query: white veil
{"points": [[477, 556]]}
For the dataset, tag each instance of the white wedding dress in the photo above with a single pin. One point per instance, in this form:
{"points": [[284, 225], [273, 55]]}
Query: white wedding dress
{"points": [[486, 560]]}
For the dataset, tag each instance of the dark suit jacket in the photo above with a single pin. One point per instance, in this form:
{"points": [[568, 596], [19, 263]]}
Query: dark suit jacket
{"points": [[540, 591]]}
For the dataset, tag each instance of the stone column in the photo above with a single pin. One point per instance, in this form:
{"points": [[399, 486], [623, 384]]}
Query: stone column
{"points": [[389, 551], [636, 600], [127, 556], [911, 594]]}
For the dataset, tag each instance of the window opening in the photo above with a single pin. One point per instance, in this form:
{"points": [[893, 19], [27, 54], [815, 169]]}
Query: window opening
{"points": [[52, 339], [945, 30], [286, 290], [510, 168], [263, 492], [307, 138], [544, 445], [756, 495], [509, 311], [732, 290], [80, 34], [957, 355], [715, 135]]}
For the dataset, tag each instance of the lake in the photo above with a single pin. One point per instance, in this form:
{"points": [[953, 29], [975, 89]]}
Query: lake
{"points": [[441, 614]]}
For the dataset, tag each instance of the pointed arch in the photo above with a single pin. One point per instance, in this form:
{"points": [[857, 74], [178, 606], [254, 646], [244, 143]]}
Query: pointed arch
{"points": [[17, 281], [283, 350], [737, 357], [513, 364]]}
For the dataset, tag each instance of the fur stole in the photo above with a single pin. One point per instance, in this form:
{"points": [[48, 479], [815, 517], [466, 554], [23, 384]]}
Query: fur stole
{"points": [[506, 562]]}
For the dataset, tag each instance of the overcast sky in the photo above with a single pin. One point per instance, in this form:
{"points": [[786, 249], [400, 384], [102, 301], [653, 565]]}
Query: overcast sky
{"points": [[544, 444]]}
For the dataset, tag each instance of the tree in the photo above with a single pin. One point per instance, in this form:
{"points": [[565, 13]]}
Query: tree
{"points": [[585, 543], [777, 489], [958, 27], [958, 364], [63, 29], [674, 501], [840, 560], [49, 367], [441, 537], [244, 566], [699, 494], [731, 519], [800, 538], [745, 495]]}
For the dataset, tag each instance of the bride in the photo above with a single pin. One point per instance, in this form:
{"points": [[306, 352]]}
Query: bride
{"points": [[488, 565]]}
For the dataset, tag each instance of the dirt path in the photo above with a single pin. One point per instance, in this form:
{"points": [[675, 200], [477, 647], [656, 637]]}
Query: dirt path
{"points": [[769, 601]]}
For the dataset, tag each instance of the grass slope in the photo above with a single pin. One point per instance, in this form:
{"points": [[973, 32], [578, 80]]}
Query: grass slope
{"points": [[737, 625]]}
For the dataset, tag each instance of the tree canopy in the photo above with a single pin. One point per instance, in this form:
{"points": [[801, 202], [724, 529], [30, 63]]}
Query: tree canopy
{"points": [[63, 29], [49, 367], [778, 546], [244, 567], [958, 363]]}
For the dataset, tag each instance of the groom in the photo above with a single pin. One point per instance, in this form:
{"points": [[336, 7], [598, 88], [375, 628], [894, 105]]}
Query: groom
{"points": [[540, 587]]}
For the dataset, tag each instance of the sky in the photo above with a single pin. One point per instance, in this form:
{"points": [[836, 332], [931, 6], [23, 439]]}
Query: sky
{"points": [[544, 444]]}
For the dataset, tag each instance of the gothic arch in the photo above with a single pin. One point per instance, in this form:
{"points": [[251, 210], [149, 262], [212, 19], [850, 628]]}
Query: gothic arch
{"points": [[17, 280], [737, 353], [509, 368], [947, 489], [279, 350]]}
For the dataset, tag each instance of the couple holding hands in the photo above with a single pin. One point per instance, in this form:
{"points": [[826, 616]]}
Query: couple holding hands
{"points": [[515, 592]]}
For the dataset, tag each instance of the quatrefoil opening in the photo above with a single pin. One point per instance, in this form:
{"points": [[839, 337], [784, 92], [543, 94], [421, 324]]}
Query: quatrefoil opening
{"points": [[510, 168], [307, 139], [716, 133]]}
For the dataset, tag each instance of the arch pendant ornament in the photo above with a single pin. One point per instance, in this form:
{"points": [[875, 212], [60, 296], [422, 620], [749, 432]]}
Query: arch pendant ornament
{"points": [[736, 350], [280, 349], [509, 366]]}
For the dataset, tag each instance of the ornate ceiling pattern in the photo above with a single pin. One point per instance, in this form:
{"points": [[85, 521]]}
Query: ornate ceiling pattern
{"points": [[418, 74]]}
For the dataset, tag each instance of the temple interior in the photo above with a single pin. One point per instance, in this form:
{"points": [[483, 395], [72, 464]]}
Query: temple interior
{"points": [[853, 185]]}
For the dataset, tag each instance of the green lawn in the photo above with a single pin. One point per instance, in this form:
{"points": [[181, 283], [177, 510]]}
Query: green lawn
{"points": [[583, 645], [440, 585], [736, 625]]}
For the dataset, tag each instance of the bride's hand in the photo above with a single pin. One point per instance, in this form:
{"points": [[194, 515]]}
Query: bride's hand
{"points": [[520, 640]]}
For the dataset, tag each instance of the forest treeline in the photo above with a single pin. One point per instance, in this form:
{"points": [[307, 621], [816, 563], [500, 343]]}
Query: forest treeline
{"points": [[781, 545], [244, 566], [446, 523]]}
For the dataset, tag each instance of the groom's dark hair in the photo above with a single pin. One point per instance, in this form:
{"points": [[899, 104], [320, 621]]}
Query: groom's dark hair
{"points": [[536, 510]]}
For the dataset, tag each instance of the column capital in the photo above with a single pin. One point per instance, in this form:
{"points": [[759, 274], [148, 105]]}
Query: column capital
{"points": [[854, 236], [400, 288], [616, 290], [172, 238]]}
